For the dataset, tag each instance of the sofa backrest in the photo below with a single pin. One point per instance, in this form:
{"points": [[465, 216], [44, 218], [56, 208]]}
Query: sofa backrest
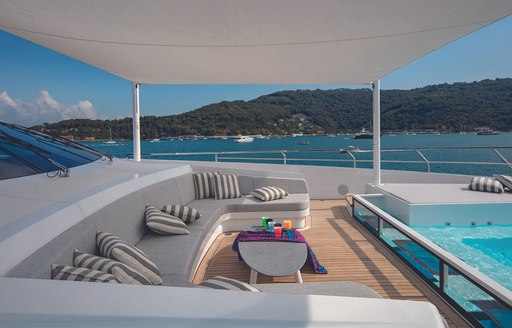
{"points": [[124, 218]]}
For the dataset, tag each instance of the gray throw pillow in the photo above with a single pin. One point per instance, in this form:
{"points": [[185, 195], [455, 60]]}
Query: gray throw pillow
{"points": [[114, 248], [163, 223], [123, 273], [485, 184], [220, 282], [186, 214], [505, 180], [66, 272], [226, 186], [266, 194], [203, 184]]}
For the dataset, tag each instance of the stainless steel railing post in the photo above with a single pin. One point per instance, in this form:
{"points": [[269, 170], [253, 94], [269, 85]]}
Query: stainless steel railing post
{"points": [[354, 161], [424, 159], [502, 157]]}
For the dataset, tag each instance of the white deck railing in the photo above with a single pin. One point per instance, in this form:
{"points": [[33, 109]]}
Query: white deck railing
{"points": [[349, 156]]}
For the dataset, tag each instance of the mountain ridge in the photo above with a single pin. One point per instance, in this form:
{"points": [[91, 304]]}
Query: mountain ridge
{"points": [[461, 106]]}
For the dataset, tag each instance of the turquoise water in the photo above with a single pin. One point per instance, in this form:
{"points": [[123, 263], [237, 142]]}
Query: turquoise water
{"points": [[122, 148], [486, 248]]}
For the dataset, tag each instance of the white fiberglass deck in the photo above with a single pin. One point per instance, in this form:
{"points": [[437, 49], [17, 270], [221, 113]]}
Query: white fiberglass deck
{"points": [[423, 204], [449, 193]]}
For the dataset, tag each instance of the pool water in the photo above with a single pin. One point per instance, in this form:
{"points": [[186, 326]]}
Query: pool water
{"points": [[486, 248]]}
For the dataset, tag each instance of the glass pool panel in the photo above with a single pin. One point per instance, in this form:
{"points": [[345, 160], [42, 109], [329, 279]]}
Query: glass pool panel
{"points": [[482, 306], [367, 217], [413, 253], [479, 304]]}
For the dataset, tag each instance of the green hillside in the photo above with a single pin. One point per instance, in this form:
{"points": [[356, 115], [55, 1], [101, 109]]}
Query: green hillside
{"points": [[458, 106]]}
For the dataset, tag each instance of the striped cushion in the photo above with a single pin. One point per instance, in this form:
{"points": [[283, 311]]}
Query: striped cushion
{"points": [[485, 184], [114, 248], [66, 272], [220, 282], [163, 223], [203, 184], [186, 214], [226, 186], [121, 271], [269, 193], [505, 180]]}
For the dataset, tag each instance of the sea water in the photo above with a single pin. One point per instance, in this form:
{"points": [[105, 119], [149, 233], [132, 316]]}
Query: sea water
{"points": [[123, 148]]}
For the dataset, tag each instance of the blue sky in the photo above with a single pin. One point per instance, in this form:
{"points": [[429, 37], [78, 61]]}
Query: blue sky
{"points": [[34, 79]]}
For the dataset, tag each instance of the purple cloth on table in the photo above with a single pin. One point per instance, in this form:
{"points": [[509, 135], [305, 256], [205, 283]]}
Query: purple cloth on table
{"points": [[289, 235]]}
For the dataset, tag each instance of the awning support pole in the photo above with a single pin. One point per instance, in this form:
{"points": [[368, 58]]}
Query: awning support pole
{"points": [[136, 122], [376, 132]]}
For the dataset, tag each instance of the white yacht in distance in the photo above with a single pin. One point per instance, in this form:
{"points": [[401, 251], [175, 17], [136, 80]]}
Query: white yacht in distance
{"points": [[55, 195], [243, 139], [110, 140]]}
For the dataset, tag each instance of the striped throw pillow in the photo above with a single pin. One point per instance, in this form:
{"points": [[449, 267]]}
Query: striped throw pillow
{"points": [[485, 184], [123, 273], [505, 180], [203, 184], [226, 186], [114, 248], [220, 282], [269, 193], [186, 214], [163, 223], [66, 272]]}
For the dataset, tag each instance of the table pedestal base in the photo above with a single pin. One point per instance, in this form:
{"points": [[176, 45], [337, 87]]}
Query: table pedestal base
{"points": [[254, 277]]}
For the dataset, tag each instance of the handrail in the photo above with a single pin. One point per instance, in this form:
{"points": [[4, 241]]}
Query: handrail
{"points": [[481, 280], [283, 155]]}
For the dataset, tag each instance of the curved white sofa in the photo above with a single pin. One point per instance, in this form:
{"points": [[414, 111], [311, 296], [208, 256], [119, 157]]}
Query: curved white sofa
{"points": [[177, 257]]}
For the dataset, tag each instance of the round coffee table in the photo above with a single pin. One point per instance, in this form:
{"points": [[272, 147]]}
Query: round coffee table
{"points": [[273, 258]]}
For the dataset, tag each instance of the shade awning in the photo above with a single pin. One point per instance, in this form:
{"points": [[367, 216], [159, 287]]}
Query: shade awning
{"points": [[248, 42]]}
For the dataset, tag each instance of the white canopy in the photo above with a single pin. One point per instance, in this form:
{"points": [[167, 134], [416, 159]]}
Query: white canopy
{"points": [[247, 41]]}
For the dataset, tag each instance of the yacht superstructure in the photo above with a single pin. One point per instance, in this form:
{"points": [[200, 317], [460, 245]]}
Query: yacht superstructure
{"points": [[244, 42]]}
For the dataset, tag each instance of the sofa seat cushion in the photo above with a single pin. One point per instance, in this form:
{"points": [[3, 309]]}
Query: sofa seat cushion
{"points": [[331, 288], [249, 203], [172, 254], [176, 280], [209, 215]]}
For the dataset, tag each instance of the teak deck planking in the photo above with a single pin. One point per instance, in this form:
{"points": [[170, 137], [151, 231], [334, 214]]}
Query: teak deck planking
{"points": [[347, 251]]}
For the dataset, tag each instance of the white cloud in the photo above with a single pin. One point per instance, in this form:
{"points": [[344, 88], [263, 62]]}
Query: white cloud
{"points": [[44, 109]]}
